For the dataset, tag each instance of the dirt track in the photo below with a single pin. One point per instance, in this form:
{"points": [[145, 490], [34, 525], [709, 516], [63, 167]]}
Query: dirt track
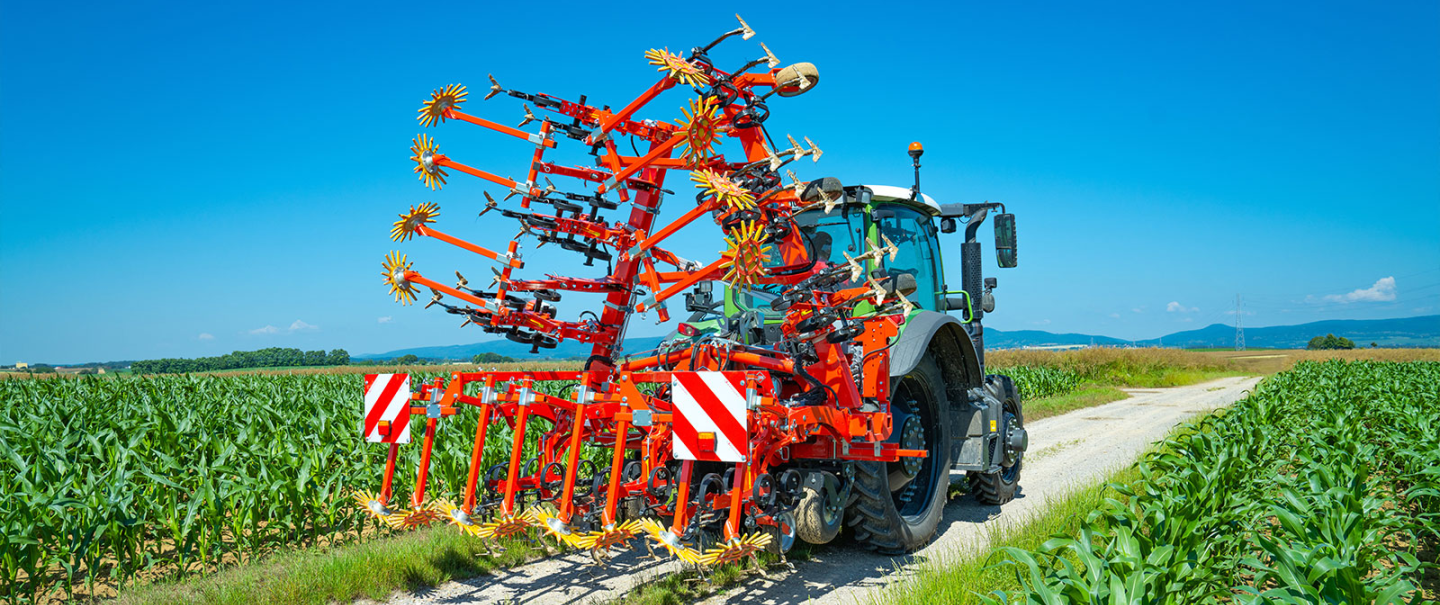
{"points": [[1065, 451]]}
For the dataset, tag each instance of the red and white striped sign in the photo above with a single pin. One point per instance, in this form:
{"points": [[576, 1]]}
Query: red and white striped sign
{"points": [[387, 400], [710, 421]]}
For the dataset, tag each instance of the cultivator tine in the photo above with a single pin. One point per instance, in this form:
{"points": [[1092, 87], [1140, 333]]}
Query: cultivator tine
{"points": [[487, 400]]}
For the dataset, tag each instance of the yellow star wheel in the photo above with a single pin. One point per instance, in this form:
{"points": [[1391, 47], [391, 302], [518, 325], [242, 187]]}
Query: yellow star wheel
{"points": [[395, 266], [423, 214], [657, 533], [433, 111], [447, 510], [702, 129], [553, 526], [423, 151], [724, 189], [610, 536], [506, 526], [736, 549], [373, 505], [418, 517], [677, 68], [747, 255]]}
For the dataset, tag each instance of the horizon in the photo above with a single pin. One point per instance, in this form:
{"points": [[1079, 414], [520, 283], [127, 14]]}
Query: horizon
{"points": [[1160, 160]]}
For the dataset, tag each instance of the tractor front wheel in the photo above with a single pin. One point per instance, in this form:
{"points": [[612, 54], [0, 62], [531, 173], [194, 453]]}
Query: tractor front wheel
{"points": [[1000, 487], [898, 505]]}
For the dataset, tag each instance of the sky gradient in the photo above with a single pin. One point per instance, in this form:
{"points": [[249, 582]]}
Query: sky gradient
{"points": [[184, 180]]}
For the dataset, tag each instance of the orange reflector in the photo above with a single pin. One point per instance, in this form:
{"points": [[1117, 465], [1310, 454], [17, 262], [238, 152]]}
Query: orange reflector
{"points": [[384, 428], [706, 442]]}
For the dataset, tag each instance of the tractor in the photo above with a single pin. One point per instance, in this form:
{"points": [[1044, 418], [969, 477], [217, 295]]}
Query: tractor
{"points": [[834, 379]]}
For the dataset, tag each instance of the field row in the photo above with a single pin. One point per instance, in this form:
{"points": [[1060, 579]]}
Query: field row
{"points": [[1322, 487]]}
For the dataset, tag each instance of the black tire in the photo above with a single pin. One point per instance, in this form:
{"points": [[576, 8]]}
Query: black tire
{"points": [[815, 522], [905, 519], [999, 488]]}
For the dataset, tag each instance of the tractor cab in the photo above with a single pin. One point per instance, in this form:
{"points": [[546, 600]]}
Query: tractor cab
{"points": [[873, 213]]}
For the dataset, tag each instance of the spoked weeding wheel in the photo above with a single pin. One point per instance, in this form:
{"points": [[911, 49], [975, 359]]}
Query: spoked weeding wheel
{"points": [[899, 504]]}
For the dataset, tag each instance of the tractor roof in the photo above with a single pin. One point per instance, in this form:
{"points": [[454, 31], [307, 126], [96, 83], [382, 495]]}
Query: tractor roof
{"points": [[891, 193]]}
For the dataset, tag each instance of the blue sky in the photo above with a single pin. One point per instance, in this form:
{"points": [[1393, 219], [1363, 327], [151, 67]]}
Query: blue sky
{"points": [[181, 179]]}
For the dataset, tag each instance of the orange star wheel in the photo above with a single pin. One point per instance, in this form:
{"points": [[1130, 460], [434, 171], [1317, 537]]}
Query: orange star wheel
{"points": [[412, 519], [423, 214], [747, 255], [702, 129], [610, 536], [724, 189], [423, 151], [395, 265], [677, 68], [432, 112]]}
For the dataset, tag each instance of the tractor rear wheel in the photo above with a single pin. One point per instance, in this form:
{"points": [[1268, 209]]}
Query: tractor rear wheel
{"points": [[898, 505], [1000, 487]]}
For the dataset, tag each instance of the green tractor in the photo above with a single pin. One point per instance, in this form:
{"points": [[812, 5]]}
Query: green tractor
{"points": [[943, 401]]}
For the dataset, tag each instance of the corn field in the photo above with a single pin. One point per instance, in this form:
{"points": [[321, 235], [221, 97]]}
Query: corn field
{"points": [[103, 480], [1321, 487], [1040, 381]]}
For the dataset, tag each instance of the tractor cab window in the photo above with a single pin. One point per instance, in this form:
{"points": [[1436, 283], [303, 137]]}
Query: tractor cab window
{"points": [[912, 234]]}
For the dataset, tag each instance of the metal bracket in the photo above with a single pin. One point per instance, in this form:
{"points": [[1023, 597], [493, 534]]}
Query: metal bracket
{"points": [[642, 418]]}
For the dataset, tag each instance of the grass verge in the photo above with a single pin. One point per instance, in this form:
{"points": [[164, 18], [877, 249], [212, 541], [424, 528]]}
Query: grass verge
{"points": [[372, 570], [1085, 397]]}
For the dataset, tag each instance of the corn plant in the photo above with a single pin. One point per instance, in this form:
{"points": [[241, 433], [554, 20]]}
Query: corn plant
{"points": [[1321, 487], [104, 479]]}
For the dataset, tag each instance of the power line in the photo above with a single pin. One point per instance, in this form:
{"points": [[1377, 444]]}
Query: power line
{"points": [[1239, 327]]}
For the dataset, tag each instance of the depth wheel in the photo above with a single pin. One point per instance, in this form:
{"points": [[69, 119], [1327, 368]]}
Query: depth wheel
{"points": [[821, 513], [999, 488], [898, 505]]}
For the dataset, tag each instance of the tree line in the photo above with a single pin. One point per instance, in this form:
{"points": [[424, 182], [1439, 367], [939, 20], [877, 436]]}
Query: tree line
{"points": [[273, 357]]}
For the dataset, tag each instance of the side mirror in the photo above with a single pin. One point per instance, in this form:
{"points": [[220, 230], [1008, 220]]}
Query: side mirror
{"points": [[1005, 252], [947, 225]]}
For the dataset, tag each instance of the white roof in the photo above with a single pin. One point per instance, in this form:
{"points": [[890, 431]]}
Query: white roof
{"points": [[891, 192]]}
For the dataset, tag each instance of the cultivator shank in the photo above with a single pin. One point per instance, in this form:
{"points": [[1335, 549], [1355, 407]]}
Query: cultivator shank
{"points": [[712, 432]]}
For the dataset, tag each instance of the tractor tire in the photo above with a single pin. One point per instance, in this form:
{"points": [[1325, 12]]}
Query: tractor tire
{"points": [[819, 516], [896, 510], [999, 488]]}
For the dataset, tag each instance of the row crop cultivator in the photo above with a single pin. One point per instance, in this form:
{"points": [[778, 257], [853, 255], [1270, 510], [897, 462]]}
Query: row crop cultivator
{"points": [[750, 428]]}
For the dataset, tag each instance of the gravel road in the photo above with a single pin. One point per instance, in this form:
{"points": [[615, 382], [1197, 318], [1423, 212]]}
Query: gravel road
{"points": [[1065, 452]]}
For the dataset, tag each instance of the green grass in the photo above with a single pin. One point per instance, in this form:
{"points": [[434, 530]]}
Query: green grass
{"points": [[689, 587], [1085, 397], [961, 578], [372, 570]]}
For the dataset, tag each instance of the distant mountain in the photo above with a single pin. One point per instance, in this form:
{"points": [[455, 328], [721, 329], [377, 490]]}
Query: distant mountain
{"points": [[565, 350], [1005, 339], [1421, 331], [1404, 332]]}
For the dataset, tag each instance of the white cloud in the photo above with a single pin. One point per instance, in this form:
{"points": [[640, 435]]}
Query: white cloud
{"points": [[265, 330], [1175, 307], [1115, 316], [1043, 322], [1232, 312], [300, 326], [1382, 291], [384, 320], [1139, 309], [206, 336]]}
